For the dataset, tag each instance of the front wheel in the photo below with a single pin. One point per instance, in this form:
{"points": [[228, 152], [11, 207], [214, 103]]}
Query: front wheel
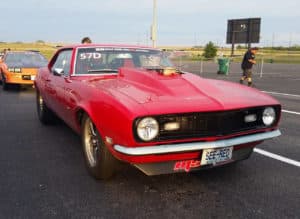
{"points": [[100, 163]]}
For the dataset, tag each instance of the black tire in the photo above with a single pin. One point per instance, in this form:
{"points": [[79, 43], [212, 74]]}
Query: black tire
{"points": [[46, 116], [100, 163]]}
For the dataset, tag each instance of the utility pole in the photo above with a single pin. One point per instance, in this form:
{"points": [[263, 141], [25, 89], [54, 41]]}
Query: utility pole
{"points": [[154, 25], [232, 43]]}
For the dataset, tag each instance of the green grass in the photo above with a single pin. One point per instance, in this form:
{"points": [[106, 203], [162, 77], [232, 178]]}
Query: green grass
{"points": [[46, 49]]}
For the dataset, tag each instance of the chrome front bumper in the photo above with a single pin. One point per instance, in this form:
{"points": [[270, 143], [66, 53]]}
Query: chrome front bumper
{"points": [[195, 146]]}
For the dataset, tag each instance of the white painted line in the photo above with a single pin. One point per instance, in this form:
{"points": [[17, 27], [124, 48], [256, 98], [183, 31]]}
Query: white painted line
{"points": [[277, 157], [283, 94], [292, 112]]}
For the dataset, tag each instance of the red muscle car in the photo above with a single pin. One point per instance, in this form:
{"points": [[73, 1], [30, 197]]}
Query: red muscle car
{"points": [[129, 103]]}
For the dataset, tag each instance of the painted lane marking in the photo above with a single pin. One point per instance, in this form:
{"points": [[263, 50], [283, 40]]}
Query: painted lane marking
{"points": [[292, 112], [283, 94], [277, 157]]}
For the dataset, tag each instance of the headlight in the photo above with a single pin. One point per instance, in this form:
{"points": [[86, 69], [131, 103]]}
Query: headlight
{"points": [[147, 129], [17, 70], [268, 116]]}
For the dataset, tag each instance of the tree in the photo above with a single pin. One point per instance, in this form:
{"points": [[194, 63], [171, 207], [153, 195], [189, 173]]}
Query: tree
{"points": [[210, 50]]}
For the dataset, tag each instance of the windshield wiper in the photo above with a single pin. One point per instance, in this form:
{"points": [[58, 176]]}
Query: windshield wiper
{"points": [[108, 70]]}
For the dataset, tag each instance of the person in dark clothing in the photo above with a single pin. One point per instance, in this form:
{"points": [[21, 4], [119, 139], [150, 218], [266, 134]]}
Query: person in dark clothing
{"points": [[247, 64]]}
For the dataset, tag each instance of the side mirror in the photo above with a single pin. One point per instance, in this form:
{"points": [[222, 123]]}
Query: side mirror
{"points": [[58, 71]]}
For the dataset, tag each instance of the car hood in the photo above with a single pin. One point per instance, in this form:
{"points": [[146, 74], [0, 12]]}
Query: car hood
{"points": [[177, 93]]}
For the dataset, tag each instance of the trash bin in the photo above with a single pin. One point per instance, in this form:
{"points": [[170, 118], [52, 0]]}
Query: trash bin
{"points": [[223, 65]]}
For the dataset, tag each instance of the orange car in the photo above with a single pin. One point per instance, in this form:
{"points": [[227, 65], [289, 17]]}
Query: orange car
{"points": [[20, 67]]}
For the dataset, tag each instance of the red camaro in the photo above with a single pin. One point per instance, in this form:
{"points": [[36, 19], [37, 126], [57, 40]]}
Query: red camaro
{"points": [[129, 103]]}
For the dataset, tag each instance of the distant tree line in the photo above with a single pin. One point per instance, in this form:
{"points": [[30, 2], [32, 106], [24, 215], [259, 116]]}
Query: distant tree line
{"points": [[20, 42], [281, 48]]}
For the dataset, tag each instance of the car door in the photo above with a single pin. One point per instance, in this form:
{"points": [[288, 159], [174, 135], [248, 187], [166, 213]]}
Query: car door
{"points": [[73, 94], [56, 81]]}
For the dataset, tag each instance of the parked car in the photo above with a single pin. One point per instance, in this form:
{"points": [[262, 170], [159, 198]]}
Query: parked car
{"points": [[129, 103], [20, 67]]}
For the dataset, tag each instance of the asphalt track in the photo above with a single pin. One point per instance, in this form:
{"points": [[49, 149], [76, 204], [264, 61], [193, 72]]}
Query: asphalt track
{"points": [[42, 173]]}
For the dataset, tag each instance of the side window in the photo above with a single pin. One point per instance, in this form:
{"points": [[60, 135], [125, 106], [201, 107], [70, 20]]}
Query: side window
{"points": [[63, 61]]}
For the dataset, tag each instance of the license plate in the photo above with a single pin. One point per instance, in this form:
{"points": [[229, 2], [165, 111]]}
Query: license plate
{"points": [[32, 77], [213, 156], [26, 77]]}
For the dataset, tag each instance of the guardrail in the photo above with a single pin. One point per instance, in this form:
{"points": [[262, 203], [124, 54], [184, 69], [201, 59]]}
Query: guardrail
{"points": [[259, 69]]}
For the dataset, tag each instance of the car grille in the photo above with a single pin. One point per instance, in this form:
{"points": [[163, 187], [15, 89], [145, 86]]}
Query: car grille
{"points": [[214, 124]]}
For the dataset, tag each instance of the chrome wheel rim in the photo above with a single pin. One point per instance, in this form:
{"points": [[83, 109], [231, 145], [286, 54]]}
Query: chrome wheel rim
{"points": [[91, 142]]}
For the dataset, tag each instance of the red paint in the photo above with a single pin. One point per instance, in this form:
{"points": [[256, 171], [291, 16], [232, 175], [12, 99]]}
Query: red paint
{"points": [[114, 101]]}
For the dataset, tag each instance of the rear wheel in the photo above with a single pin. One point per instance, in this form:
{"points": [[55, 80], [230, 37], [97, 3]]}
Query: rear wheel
{"points": [[46, 116], [100, 163]]}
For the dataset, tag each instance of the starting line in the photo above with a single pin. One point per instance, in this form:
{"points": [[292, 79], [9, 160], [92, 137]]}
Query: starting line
{"points": [[277, 157]]}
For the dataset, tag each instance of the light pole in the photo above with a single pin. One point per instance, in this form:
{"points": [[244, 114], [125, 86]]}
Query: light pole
{"points": [[154, 25]]}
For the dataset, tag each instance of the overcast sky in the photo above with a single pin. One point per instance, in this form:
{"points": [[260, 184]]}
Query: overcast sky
{"points": [[180, 22]]}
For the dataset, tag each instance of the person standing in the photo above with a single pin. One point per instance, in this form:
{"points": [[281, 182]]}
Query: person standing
{"points": [[248, 61]]}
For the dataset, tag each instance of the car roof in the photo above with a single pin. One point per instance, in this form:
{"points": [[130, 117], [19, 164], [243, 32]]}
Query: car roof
{"points": [[91, 45], [22, 51]]}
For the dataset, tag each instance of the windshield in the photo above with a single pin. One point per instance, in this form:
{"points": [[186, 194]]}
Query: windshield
{"points": [[25, 59], [108, 60]]}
